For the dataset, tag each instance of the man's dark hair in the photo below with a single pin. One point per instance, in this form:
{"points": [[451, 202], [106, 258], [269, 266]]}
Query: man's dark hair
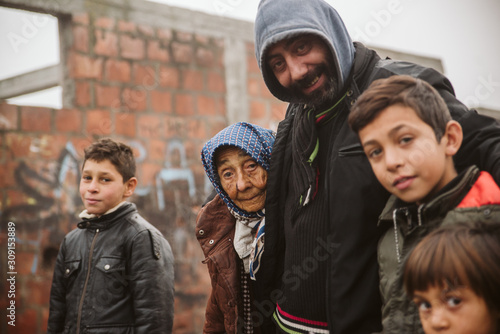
{"points": [[403, 90], [119, 154]]}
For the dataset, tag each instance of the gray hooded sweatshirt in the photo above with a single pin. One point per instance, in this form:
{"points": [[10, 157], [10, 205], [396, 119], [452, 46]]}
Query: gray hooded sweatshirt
{"points": [[280, 19]]}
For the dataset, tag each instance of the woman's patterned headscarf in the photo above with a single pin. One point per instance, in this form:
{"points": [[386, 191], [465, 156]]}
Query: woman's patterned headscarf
{"points": [[254, 140], [257, 142]]}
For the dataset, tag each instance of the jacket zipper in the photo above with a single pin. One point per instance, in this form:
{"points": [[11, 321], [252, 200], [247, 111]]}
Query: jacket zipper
{"points": [[395, 223], [80, 307], [409, 223], [420, 207]]}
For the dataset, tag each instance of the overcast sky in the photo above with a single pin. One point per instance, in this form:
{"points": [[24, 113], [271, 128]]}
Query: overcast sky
{"points": [[464, 34]]}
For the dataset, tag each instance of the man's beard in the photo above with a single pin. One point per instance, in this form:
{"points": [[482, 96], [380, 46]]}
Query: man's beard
{"points": [[319, 96]]}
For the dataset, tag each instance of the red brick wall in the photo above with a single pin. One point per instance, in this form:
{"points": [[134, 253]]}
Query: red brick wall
{"points": [[162, 91]]}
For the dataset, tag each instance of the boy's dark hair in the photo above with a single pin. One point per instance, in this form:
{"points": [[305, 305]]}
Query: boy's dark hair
{"points": [[119, 154], [404, 90], [458, 255]]}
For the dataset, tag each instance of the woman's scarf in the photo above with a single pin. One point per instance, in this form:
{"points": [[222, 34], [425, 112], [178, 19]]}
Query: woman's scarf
{"points": [[257, 142], [245, 243]]}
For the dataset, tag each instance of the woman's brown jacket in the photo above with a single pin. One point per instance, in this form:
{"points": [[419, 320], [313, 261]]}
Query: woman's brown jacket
{"points": [[215, 231]]}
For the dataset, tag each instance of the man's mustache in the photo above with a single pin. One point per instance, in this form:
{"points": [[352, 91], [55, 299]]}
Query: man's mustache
{"points": [[301, 84]]}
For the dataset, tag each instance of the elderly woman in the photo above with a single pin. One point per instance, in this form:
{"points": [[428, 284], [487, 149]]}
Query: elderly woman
{"points": [[230, 228]]}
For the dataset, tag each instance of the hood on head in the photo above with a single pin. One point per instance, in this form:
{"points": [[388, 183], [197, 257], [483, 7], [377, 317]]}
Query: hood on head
{"points": [[281, 19], [254, 140]]}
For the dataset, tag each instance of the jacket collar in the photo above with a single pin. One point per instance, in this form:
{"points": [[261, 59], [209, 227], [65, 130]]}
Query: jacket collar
{"points": [[364, 60], [406, 216], [214, 223], [447, 199], [106, 221]]}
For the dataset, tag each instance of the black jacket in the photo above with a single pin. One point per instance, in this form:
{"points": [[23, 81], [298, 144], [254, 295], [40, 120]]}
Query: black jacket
{"points": [[356, 197], [113, 274]]}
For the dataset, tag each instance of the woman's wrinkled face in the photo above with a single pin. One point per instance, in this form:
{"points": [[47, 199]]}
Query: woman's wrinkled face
{"points": [[242, 178]]}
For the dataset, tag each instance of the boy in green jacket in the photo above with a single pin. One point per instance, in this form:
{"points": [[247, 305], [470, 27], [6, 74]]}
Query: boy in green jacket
{"points": [[407, 133]]}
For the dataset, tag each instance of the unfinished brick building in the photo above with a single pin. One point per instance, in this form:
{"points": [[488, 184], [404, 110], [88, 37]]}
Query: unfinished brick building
{"points": [[163, 80], [159, 78]]}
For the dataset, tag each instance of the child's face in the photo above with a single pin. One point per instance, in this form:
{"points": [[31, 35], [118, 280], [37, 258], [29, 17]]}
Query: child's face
{"points": [[102, 187], [457, 311], [405, 155]]}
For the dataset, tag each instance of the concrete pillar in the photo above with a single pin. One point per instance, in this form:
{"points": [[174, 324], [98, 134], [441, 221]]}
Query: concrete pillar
{"points": [[236, 80]]}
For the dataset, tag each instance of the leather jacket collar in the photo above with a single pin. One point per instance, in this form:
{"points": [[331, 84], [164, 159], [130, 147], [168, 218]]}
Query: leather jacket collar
{"points": [[106, 221]]}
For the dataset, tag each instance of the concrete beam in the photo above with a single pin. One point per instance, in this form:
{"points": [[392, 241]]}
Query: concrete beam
{"points": [[53, 7], [144, 12], [488, 112], [161, 15], [434, 63], [30, 82]]}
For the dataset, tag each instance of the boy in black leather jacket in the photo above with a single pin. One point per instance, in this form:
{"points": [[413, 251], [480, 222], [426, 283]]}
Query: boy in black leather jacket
{"points": [[114, 273]]}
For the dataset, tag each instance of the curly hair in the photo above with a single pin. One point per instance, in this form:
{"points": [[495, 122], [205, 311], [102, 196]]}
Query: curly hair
{"points": [[119, 154]]}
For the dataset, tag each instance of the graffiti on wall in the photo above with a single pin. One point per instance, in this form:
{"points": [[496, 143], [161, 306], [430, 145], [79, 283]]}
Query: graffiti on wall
{"points": [[52, 196], [52, 200], [170, 173]]}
